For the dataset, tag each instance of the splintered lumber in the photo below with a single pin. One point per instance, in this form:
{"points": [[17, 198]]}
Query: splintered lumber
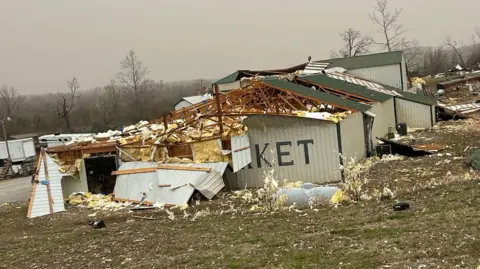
{"points": [[185, 168], [134, 171]]}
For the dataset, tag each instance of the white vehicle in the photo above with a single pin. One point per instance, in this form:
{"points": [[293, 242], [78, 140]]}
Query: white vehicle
{"points": [[20, 149], [62, 139]]}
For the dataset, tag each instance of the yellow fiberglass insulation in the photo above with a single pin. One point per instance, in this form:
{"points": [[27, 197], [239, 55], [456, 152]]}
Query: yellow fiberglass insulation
{"points": [[208, 151]]}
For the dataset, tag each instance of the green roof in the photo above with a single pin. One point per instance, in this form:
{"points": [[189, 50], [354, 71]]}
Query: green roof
{"points": [[417, 98], [364, 61], [228, 79], [250, 73], [325, 97], [348, 87]]}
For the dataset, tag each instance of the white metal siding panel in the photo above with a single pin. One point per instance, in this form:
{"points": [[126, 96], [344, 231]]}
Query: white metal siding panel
{"points": [[385, 118], [182, 104], [241, 158], [182, 183], [71, 184], [40, 205], [404, 74], [434, 115], [387, 74], [229, 86], [415, 115], [324, 161], [353, 136]]}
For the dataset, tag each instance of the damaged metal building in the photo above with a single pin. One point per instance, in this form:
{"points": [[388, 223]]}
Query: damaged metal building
{"points": [[298, 123]]}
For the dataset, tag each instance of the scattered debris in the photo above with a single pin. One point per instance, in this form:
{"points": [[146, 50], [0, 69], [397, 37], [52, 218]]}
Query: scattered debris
{"points": [[405, 150], [96, 201], [145, 218], [473, 159], [400, 206], [97, 224]]}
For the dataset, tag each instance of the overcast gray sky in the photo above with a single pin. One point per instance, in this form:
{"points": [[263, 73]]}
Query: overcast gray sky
{"points": [[43, 43]]}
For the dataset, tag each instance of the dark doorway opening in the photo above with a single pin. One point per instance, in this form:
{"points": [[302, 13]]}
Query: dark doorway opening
{"points": [[99, 174]]}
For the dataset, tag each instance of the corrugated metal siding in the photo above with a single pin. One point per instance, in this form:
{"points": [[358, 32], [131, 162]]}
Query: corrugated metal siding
{"points": [[323, 164], [353, 136], [241, 158], [385, 118], [434, 115], [415, 115], [182, 183], [40, 204], [387, 74]]}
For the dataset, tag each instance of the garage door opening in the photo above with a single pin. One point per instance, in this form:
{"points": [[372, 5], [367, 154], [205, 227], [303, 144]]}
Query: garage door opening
{"points": [[99, 174]]}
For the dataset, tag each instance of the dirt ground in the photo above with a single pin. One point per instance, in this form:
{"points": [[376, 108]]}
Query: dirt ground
{"points": [[440, 230]]}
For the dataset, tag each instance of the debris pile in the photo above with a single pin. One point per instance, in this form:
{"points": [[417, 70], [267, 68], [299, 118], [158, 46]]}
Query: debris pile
{"points": [[96, 201]]}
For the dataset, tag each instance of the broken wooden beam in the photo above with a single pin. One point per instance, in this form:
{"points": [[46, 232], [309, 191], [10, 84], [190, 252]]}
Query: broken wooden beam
{"points": [[134, 171], [184, 168]]}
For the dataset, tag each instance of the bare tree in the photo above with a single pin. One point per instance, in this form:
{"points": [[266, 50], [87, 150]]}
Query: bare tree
{"points": [[354, 44], [133, 75], [66, 103], [437, 60], [10, 99], [412, 52], [388, 26], [109, 101], [457, 49]]}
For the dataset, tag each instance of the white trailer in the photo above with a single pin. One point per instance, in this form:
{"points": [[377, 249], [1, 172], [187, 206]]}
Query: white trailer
{"points": [[20, 149]]}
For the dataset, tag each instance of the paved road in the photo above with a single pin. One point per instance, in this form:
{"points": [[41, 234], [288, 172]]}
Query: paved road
{"points": [[15, 190]]}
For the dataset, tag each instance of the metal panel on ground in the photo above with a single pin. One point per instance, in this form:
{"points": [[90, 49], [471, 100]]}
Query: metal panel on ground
{"points": [[387, 74], [415, 115], [209, 183], [353, 136], [241, 152], [296, 148], [169, 186], [39, 205]]}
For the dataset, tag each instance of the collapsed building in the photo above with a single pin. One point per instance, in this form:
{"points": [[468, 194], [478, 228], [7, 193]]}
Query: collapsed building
{"points": [[300, 123]]}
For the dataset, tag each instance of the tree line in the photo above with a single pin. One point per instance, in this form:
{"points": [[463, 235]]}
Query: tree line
{"points": [[132, 96], [129, 97], [392, 36]]}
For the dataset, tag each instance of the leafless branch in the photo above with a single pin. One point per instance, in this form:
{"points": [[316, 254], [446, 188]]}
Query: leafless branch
{"points": [[10, 99], [66, 103], [388, 25], [457, 49], [354, 44], [133, 76]]}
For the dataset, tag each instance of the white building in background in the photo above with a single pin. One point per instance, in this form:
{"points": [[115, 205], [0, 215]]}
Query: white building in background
{"points": [[190, 100]]}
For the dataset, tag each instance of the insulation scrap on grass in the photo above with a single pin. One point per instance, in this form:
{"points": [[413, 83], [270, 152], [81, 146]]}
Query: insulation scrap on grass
{"points": [[96, 201]]}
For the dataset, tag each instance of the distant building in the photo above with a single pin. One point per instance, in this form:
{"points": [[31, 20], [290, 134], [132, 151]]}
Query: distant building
{"points": [[190, 100]]}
